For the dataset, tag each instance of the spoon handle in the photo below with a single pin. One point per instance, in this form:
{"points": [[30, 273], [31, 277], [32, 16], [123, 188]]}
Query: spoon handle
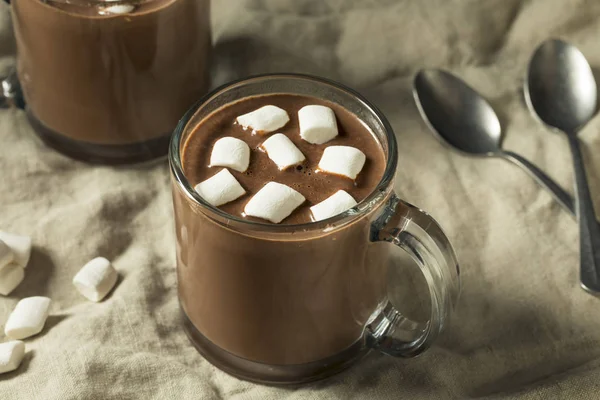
{"points": [[589, 230], [544, 180]]}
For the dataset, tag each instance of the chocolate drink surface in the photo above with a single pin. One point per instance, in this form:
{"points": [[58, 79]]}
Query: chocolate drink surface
{"points": [[111, 79], [314, 186], [294, 298]]}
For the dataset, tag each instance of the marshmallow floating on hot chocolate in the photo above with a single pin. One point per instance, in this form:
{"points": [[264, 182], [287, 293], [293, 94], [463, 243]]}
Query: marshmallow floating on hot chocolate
{"points": [[20, 245], [28, 317], [117, 9], [220, 189], [317, 124], [11, 276], [282, 151], [335, 204], [342, 160], [274, 202], [11, 355], [230, 152], [264, 120], [96, 279]]}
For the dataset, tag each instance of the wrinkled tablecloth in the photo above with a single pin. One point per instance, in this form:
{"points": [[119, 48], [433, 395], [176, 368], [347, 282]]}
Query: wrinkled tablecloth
{"points": [[523, 328]]}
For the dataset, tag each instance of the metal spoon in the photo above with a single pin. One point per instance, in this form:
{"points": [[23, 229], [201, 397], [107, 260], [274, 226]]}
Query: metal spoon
{"points": [[560, 89], [461, 118]]}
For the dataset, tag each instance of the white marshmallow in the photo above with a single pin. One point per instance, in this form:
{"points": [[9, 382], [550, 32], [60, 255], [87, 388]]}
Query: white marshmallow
{"points": [[6, 255], [342, 160], [335, 204], [264, 120], [28, 317], [20, 245], [317, 124], [274, 202], [220, 188], [95, 279], [232, 153], [11, 355], [117, 9], [282, 151], [11, 276]]}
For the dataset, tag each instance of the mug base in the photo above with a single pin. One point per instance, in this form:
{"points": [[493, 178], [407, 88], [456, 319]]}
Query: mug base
{"points": [[100, 153], [267, 373]]}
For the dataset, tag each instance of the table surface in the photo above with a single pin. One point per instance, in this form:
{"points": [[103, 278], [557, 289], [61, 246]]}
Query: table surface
{"points": [[523, 329]]}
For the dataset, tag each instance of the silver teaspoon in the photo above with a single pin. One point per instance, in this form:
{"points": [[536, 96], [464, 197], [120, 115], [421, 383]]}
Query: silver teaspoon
{"points": [[463, 119], [560, 89]]}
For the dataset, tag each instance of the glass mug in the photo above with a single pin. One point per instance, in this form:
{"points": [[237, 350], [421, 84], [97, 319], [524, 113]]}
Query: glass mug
{"points": [[294, 303], [107, 81]]}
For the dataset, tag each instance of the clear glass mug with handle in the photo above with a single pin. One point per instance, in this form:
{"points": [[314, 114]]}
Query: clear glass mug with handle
{"points": [[106, 81], [286, 304]]}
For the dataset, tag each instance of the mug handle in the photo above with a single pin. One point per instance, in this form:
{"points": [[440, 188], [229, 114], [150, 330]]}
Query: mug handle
{"points": [[12, 95], [421, 237]]}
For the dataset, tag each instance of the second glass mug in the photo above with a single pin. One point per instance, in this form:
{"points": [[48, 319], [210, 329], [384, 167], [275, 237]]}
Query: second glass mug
{"points": [[287, 304], [105, 81]]}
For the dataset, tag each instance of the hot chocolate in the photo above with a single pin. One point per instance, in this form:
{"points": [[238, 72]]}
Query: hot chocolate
{"points": [[313, 185], [109, 80], [290, 299]]}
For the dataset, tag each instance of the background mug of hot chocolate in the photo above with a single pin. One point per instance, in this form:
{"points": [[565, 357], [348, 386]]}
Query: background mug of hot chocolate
{"points": [[296, 302], [106, 82]]}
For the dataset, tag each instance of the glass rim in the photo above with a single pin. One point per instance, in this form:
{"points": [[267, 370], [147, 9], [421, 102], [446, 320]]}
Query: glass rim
{"points": [[347, 216]]}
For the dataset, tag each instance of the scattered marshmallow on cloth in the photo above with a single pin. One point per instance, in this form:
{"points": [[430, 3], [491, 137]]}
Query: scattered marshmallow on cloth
{"points": [[220, 189], [6, 254], [342, 160], [15, 251], [274, 202], [20, 245], [11, 355], [96, 279], [335, 204], [11, 276], [28, 317], [317, 124], [265, 120], [232, 153], [282, 151]]}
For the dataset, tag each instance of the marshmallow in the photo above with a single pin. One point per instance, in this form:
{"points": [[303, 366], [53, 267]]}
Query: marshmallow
{"points": [[336, 204], [95, 279], [11, 276], [264, 120], [317, 124], [20, 245], [221, 188], [274, 202], [342, 160], [117, 9], [6, 255], [232, 153], [282, 151], [11, 355], [28, 318]]}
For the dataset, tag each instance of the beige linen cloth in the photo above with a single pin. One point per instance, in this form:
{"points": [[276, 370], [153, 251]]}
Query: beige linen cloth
{"points": [[523, 329]]}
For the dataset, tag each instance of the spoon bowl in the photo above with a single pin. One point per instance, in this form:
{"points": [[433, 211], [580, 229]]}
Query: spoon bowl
{"points": [[560, 86], [456, 113]]}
